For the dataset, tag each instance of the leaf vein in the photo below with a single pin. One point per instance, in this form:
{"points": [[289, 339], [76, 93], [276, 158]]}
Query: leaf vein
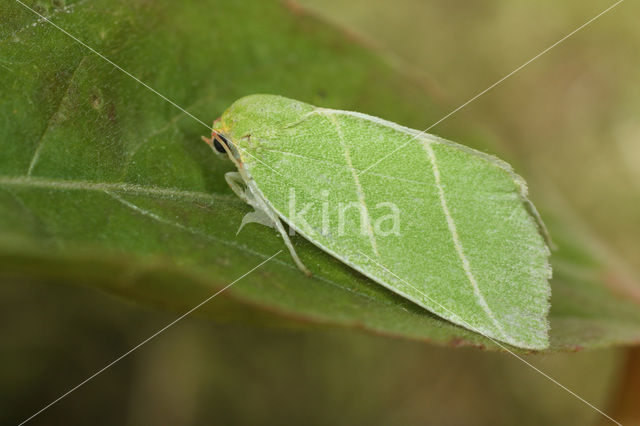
{"points": [[240, 247], [65, 94], [35, 182]]}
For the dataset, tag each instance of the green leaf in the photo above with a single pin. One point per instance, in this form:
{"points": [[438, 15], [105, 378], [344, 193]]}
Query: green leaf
{"points": [[105, 184]]}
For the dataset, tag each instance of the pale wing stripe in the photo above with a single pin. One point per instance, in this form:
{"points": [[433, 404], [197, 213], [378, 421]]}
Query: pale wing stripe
{"points": [[356, 179], [456, 239], [422, 136], [386, 123]]}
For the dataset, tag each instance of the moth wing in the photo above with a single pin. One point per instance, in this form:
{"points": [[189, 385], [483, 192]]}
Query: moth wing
{"points": [[467, 247]]}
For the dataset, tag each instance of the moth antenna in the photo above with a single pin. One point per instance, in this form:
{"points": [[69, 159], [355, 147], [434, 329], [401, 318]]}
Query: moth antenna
{"points": [[208, 141]]}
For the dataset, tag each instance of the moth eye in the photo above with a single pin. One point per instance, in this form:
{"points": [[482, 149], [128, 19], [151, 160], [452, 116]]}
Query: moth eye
{"points": [[217, 145]]}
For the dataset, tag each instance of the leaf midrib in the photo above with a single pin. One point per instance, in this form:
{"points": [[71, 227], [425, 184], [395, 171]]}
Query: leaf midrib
{"points": [[31, 182], [123, 187]]}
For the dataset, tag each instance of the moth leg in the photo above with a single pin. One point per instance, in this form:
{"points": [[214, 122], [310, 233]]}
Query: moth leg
{"points": [[292, 250], [236, 182], [278, 224], [287, 242]]}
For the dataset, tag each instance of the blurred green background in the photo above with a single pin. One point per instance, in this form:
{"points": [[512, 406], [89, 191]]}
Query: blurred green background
{"points": [[568, 121]]}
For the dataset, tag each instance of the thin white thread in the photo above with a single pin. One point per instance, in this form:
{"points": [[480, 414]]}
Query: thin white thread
{"points": [[498, 344], [341, 166], [259, 161], [146, 340], [65, 9], [170, 193], [365, 170], [493, 85], [117, 66]]}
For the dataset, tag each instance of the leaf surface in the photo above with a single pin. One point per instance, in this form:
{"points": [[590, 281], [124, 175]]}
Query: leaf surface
{"points": [[104, 184]]}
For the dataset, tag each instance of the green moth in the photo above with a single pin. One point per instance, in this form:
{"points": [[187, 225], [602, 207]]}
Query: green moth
{"points": [[445, 226]]}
